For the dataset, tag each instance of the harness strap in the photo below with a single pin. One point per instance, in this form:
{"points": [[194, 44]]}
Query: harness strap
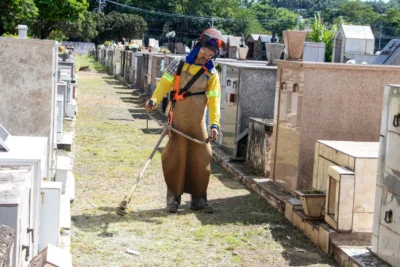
{"points": [[187, 94], [192, 81]]}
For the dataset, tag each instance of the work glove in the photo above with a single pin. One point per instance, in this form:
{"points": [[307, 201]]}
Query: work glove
{"points": [[150, 105]]}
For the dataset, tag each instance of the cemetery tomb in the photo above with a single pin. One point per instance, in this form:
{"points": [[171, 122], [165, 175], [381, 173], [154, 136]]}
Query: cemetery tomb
{"points": [[261, 50], [32, 151], [16, 210], [259, 145], [28, 96], [390, 54], [233, 46], [386, 227], [252, 44], [316, 101], [123, 58], [252, 95], [69, 64], [347, 172], [138, 75], [156, 69], [145, 66], [354, 42], [314, 52]]}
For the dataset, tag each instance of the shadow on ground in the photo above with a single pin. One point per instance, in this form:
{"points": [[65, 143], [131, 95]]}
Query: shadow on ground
{"points": [[238, 210]]}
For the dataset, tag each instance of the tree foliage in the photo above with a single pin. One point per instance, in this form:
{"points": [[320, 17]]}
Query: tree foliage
{"points": [[358, 13], [52, 14], [274, 19], [14, 12], [80, 20], [116, 26]]}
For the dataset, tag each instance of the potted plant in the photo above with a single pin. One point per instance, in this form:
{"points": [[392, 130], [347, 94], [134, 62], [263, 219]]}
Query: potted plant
{"points": [[63, 54], [134, 47], [294, 44], [315, 50], [313, 202]]}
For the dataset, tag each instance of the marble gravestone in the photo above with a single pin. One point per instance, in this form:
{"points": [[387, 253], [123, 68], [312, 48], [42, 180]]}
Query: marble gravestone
{"points": [[28, 90], [320, 101]]}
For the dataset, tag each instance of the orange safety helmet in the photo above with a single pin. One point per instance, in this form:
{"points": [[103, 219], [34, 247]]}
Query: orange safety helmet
{"points": [[212, 39]]}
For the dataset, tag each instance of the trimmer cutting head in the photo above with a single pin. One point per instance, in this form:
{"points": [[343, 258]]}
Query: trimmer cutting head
{"points": [[122, 209]]}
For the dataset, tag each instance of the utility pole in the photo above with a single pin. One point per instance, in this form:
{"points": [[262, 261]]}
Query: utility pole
{"points": [[102, 4]]}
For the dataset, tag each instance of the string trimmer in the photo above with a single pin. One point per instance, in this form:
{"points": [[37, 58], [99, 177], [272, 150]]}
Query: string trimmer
{"points": [[123, 206]]}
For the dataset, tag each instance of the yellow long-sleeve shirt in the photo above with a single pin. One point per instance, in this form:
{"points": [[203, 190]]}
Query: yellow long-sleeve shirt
{"points": [[213, 90]]}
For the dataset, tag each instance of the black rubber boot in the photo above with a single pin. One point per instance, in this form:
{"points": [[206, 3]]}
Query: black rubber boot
{"points": [[173, 202], [200, 204]]}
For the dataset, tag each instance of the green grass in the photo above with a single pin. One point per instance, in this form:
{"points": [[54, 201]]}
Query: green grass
{"points": [[111, 146]]}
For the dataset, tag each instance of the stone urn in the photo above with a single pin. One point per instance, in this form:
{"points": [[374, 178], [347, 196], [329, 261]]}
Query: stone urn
{"points": [[274, 52], [64, 57], [242, 51], [294, 44], [313, 202]]}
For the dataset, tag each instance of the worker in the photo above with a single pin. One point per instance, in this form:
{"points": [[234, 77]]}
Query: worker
{"points": [[196, 86]]}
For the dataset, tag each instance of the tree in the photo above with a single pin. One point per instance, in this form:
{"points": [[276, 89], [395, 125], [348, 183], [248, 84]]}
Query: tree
{"points": [[359, 13], [53, 13], [274, 19], [83, 30], [14, 12], [116, 26], [245, 22], [391, 23]]}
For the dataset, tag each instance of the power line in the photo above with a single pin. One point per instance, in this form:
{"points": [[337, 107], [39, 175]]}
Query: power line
{"points": [[174, 15]]}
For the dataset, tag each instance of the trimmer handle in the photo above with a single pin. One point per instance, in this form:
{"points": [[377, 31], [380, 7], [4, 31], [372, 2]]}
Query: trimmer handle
{"points": [[208, 139]]}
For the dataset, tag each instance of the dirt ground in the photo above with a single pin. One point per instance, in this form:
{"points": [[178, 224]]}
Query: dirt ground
{"points": [[111, 145]]}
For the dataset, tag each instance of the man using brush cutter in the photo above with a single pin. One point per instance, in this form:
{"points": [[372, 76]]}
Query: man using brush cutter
{"points": [[195, 83]]}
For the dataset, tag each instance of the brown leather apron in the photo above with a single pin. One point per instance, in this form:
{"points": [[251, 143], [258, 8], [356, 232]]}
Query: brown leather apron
{"points": [[186, 165]]}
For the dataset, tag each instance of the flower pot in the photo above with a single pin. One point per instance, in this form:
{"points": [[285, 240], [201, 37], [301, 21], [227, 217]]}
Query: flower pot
{"points": [[294, 44], [274, 52], [313, 202], [314, 52], [134, 49], [242, 51]]}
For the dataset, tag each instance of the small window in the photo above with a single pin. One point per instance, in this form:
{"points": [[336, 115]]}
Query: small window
{"points": [[232, 98], [235, 84], [228, 83]]}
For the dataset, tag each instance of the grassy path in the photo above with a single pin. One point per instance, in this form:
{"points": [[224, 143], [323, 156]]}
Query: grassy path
{"points": [[111, 145]]}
